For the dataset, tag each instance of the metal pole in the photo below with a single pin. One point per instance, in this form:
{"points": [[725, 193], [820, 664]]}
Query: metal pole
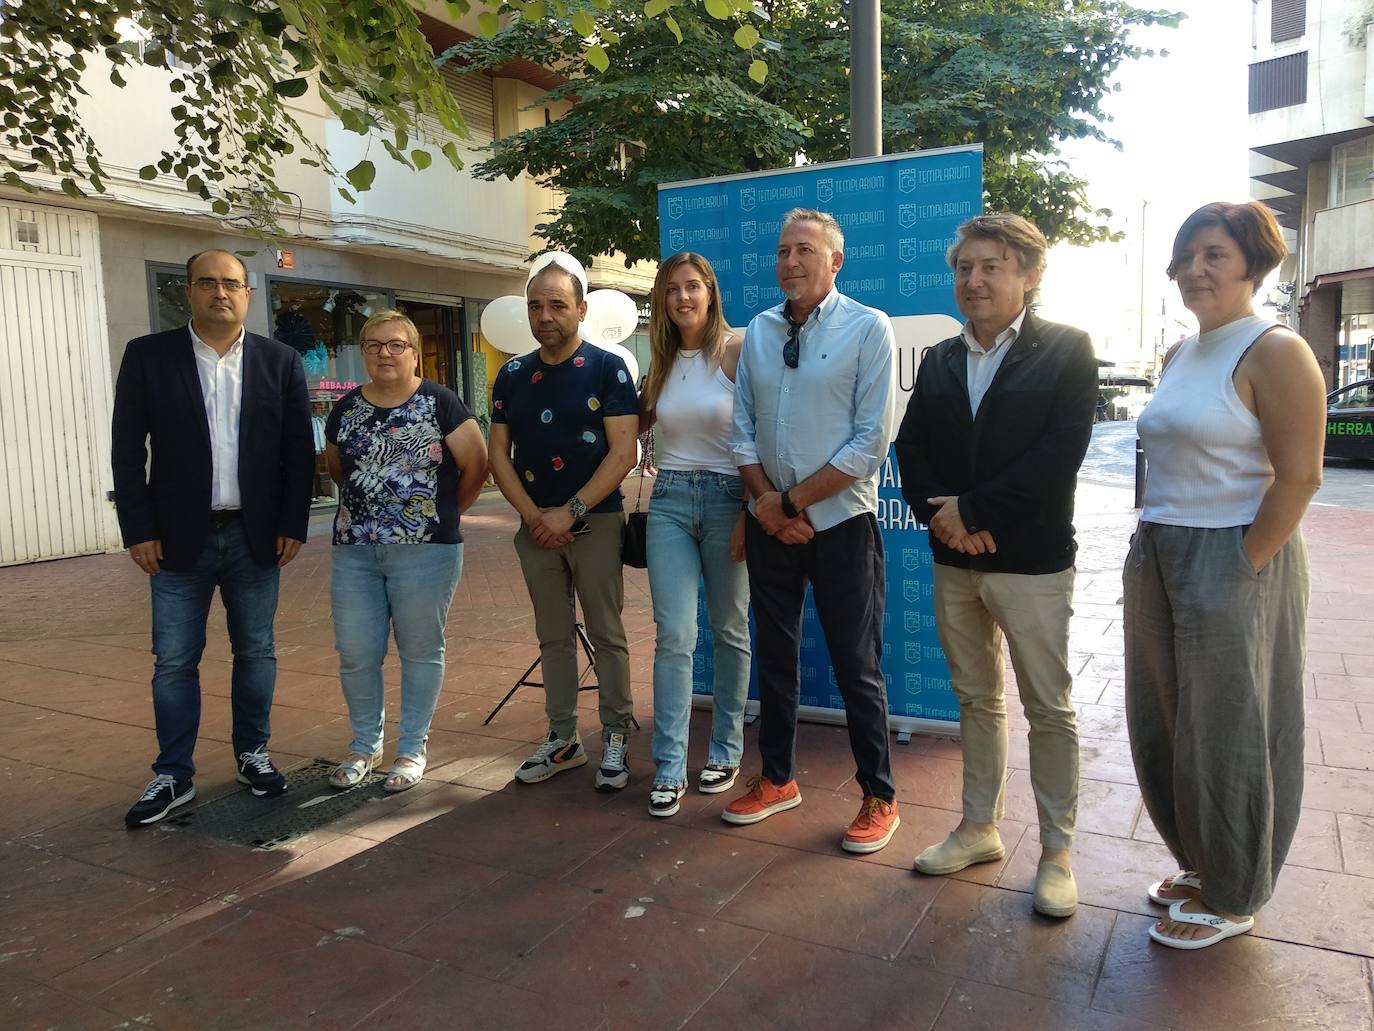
{"points": [[865, 79], [1140, 332]]}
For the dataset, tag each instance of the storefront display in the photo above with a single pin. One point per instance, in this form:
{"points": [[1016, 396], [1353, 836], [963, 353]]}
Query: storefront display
{"points": [[322, 322]]}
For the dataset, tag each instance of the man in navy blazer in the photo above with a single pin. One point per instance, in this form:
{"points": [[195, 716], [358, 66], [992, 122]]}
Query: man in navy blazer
{"points": [[224, 502]]}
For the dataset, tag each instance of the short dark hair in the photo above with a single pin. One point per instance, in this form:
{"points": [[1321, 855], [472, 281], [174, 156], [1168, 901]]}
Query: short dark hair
{"points": [[1251, 225], [214, 250], [555, 267]]}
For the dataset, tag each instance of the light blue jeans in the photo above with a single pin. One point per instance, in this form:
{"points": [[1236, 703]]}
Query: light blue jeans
{"points": [[373, 588], [690, 520]]}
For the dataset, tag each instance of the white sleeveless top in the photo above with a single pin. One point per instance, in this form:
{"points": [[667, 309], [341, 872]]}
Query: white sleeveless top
{"points": [[694, 413], [1207, 466]]}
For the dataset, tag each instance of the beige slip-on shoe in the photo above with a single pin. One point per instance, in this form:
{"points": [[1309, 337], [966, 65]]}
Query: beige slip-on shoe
{"points": [[1056, 892], [952, 855]]}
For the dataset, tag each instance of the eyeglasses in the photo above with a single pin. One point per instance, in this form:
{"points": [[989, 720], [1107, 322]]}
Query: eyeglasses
{"points": [[791, 351], [229, 286], [392, 347]]}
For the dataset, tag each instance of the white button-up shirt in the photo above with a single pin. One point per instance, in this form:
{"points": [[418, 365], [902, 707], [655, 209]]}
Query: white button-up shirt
{"points": [[984, 363], [221, 385]]}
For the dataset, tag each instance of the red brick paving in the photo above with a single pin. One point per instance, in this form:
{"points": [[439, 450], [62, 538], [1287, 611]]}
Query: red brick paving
{"points": [[476, 903]]}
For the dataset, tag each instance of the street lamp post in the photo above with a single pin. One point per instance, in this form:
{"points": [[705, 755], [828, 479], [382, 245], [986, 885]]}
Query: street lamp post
{"points": [[865, 79]]}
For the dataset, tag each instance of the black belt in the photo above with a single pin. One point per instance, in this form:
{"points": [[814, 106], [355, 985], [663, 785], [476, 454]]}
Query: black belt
{"points": [[220, 516]]}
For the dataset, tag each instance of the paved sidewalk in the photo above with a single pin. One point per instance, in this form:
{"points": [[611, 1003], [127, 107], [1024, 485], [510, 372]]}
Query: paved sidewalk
{"points": [[473, 902]]}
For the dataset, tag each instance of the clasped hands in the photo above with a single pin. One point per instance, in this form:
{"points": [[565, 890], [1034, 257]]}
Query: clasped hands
{"points": [[776, 523], [948, 526], [553, 527]]}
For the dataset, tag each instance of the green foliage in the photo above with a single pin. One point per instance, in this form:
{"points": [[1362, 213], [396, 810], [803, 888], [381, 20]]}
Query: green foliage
{"points": [[232, 66], [231, 69], [1019, 76]]}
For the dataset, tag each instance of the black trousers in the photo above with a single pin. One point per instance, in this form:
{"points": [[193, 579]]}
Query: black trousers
{"points": [[844, 566]]}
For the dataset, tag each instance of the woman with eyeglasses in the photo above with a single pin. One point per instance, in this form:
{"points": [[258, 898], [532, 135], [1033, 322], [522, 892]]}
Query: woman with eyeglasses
{"points": [[409, 459], [696, 526]]}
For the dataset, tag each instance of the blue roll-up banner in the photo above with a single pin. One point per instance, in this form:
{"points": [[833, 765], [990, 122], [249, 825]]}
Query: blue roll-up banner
{"points": [[898, 213]]}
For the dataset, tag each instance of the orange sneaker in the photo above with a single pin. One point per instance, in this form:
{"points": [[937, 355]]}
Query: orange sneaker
{"points": [[873, 827], [761, 801]]}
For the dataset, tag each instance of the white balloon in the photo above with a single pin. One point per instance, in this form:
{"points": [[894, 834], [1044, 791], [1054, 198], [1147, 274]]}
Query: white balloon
{"points": [[563, 260], [626, 355], [612, 316], [506, 325]]}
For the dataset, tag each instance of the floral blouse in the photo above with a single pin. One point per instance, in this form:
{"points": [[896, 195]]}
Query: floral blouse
{"points": [[400, 483]]}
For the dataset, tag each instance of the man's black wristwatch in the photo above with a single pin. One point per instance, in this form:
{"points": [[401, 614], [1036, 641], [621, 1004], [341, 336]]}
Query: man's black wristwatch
{"points": [[577, 507], [788, 509]]}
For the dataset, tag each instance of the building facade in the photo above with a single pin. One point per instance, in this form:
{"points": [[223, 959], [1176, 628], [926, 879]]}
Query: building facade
{"points": [[1311, 103], [80, 278]]}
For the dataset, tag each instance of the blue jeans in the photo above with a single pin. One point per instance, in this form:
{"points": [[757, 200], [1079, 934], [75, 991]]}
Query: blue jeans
{"points": [[373, 588], [181, 607], [690, 520]]}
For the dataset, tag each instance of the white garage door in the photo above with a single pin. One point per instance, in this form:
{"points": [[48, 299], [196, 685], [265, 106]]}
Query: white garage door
{"points": [[55, 390]]}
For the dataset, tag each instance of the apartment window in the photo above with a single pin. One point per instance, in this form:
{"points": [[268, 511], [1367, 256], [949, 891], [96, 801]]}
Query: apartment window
{"points": [[1288, 20], [1281, 82], [1351, 164], [473, 92]]}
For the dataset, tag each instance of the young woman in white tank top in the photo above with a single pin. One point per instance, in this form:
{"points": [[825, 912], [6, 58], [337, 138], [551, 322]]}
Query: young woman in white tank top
{"points": [[696, 526], [1216, 584]]}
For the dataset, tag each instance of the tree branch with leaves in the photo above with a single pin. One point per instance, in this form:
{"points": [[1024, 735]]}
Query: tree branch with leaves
{"points": [[1019, 76]]}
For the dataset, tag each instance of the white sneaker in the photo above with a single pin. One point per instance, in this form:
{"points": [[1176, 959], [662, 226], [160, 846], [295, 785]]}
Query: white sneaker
{"points": [[613, 773], [554, 756]]}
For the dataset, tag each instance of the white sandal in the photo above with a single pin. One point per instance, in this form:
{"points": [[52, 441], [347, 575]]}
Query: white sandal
{"points": [[1179, 880], [1225, 928], [350, 772], [406, 771]]}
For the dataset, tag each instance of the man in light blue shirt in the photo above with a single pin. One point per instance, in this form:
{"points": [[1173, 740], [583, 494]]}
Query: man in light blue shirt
{"points": [[813, 419]]}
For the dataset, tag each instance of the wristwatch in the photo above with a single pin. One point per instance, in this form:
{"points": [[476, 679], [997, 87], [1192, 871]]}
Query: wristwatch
{"points": [[577, 507], [788, 509]]}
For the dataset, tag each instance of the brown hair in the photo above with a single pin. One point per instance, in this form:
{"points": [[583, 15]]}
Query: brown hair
{"points": [[1251, 225], [1019, 235], [554, 268], [665, 338]]}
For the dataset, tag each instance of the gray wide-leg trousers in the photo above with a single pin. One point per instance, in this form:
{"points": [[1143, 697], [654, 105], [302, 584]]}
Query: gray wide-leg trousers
{"points": [[1214, 701]]}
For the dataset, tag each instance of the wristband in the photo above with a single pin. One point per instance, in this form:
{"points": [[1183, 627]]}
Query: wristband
{"points": [[788, 508]]}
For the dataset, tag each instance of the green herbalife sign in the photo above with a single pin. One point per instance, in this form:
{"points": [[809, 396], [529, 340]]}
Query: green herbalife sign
{"points": [[1350, 429]]}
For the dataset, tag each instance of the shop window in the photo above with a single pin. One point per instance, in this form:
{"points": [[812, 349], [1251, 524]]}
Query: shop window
{"points": [[323, 321], [168, 306]]}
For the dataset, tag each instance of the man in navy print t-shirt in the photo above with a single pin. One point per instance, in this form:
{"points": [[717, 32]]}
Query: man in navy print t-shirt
{"points": [[564, 420]]}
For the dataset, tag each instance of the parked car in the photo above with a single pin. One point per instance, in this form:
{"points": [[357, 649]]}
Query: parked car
{"points": [[1350, 421]]}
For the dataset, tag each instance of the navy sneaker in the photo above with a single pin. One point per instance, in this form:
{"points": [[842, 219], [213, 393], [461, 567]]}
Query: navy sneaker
{"points": [[256, 770], [163, 794]]}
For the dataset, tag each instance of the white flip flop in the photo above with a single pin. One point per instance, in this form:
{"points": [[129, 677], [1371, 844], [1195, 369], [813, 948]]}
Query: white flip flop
{"points": [[1179, 880], [1224, 928]]}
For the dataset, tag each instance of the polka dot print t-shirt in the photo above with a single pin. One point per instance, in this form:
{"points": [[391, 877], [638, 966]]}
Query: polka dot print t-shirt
{"points": [[556, 415]]}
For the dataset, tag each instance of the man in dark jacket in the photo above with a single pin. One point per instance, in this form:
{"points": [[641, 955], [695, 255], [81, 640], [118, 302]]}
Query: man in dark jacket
{"points": [[989, 453], [224, 502]]}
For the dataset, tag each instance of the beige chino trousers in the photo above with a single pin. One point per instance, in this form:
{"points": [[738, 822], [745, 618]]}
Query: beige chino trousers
{"points": [[973, 611]]}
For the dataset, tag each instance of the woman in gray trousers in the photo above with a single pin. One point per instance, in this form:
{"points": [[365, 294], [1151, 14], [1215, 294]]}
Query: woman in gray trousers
{"points": [[1217, 584]]}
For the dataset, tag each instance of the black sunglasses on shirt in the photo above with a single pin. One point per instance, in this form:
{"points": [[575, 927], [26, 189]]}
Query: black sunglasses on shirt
{"points": [[791, 351]]}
